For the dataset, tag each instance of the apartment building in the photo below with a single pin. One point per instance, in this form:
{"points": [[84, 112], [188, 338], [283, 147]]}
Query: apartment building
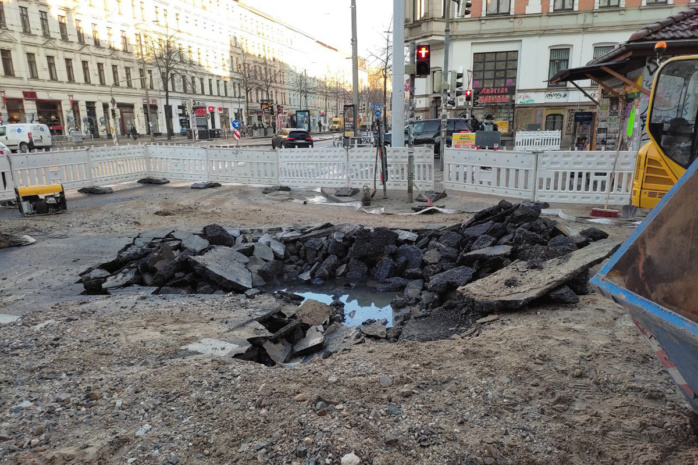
{"points": [[508, 49], [85, 65]]}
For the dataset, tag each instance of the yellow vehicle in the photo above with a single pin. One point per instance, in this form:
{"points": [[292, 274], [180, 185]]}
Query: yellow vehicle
{"points": [[336, 124], [671, 126]]}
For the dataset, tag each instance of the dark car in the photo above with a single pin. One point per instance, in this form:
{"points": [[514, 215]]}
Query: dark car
{"points": [[290, 138], [428, 132]]}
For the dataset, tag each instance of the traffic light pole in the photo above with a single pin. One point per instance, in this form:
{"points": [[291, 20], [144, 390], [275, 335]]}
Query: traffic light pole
{"points": [[410, 119], [444, 97]]}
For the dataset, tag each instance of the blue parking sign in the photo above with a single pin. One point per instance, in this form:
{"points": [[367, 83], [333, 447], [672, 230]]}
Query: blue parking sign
{"points": [[378, 113], [236, 124]]}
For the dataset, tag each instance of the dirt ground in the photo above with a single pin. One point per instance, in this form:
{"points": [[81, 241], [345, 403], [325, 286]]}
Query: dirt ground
{"points": [[102, 379]]}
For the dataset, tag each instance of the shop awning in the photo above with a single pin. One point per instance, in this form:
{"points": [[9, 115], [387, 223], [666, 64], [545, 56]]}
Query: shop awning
{"points": [[597, 71]]}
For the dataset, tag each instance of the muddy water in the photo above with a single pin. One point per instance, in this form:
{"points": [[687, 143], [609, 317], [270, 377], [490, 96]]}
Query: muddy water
{"points": [[360, 303]]}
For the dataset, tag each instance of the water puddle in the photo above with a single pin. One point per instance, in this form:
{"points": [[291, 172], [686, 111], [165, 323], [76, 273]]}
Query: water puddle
{"points": [[360, 303]]}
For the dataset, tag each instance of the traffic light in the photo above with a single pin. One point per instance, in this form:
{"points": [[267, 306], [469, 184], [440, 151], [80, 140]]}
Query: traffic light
{"points": [[423, 60], [437, 81], [464, 8], [456, 84], [468, 95]]}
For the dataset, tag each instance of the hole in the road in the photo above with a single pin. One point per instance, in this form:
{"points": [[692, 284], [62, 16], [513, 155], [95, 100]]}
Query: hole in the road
{"points": [[320, 290]]}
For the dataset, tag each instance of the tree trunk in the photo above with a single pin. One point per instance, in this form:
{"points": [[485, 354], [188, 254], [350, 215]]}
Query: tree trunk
{"points": [[168, 118], [385, 101]]}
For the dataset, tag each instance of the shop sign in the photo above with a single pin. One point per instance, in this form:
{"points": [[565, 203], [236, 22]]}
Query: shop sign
{"points": [[495, 96], [29, 95], [153, 101], [201, 111], [211, 109], [220, 109], [584, 117]]}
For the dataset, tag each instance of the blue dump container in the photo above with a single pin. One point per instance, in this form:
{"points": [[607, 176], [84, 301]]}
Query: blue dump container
{"points": [[654, 275]]}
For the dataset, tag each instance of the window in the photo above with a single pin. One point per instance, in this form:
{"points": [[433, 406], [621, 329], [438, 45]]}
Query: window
{"points": [[609, 3], [106, 5], [189, 54], [563, 5], [184, 84], [495, 69], [210, 87], [218, 87], [498, 7], [7, 67], [133, 8], [81, 33], [24, 16], [110, 39], [150, 79], [95, 36], [118, 6], [3, 21], [128, 77], [203, 91], [601, 50], [142, 11], [656, 2], [193, 85], [124, 41], [31, 62], [164, 16], [173, 84], [86, 72], [115, 74], [69, 70], [553, 122], [141, 73], [177, 19], [225, 88], [100, 72], [63, 27], [52, 73], [559, 60], [44, 24], [157, 15]]}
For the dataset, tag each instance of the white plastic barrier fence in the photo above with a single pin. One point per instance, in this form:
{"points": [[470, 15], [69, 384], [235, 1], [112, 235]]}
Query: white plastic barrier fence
{"points": [[6, 185], [585, 177], [509, 174], [326, 167], [182, 162], [537, 140], [111, 165], [562, 177], [70, 168], [242, 166]]}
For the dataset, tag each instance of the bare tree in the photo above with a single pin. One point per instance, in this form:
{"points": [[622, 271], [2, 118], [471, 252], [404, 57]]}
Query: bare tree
{"points": [[268, 77], [383, 60], [248, 79], [164, 52], [302, 84]]}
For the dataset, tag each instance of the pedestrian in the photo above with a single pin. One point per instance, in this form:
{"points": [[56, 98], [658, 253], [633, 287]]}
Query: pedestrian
{"points": [[273, 126], [319, 126], [134, 133]]}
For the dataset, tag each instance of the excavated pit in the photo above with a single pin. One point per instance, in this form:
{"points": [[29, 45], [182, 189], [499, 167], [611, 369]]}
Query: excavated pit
{"points": [[328, 287]]}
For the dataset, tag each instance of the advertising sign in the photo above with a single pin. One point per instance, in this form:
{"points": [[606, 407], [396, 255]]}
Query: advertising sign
{"points": [[464, 140], [303, 119], [349, 129]]}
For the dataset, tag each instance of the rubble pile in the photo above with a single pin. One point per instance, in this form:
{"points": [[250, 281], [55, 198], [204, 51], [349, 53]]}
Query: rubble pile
{"points": [[422, 266]]}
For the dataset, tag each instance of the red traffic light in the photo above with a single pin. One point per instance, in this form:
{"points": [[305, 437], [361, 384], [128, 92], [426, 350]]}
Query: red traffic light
{"points": [[423, 52], [468, 95]]}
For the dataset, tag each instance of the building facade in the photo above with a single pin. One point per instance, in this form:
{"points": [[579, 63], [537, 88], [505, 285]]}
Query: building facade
{"points": [[508, 49], [85, 65]]}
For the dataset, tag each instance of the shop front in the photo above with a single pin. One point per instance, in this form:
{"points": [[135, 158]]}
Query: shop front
{"points": [[15, 110], [128, 117], [50, 113], [91, 121], [151, 117]]}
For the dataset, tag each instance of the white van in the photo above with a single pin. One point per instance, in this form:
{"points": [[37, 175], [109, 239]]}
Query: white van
{"points": [[19, 137]]}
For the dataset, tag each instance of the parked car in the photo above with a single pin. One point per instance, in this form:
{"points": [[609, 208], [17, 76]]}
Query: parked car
{"points": [[428, 132], [24, 137], [292, 138], [4, 150]]}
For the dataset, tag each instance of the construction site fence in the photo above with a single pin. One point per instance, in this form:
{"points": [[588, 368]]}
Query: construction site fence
{"points": [[537, 140], [547, 176], [315, 167]]}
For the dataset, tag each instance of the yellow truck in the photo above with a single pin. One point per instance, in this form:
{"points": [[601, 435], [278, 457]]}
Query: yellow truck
{"points": [[336, 124]]}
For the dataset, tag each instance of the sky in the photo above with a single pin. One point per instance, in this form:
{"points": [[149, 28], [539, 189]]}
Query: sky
{"points": [[330, 20]]}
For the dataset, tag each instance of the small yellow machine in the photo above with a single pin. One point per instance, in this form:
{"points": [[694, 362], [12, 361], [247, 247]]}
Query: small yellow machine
{"points": [[672, 128], [41, 200]]}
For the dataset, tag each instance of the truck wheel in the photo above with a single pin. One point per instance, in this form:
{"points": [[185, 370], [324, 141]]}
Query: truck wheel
{"points": [[24, 147]]}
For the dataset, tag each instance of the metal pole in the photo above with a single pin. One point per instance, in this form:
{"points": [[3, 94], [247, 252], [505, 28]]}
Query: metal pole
{"points": [[444, 98], [398, 116], [410, 118], [355, 65], [148, 128]]}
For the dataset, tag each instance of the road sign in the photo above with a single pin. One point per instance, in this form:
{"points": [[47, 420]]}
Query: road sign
{"points": [[236, 134], [378, 113], [236, 124], [211, 109], [376, 105]]}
